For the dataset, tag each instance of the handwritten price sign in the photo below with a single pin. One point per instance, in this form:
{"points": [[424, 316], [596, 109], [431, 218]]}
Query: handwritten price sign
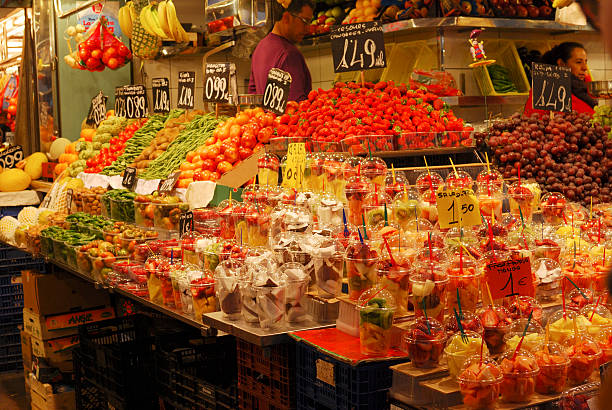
{"points": [[296, 163], [357, 47], [458, 207], [510, 278], [552, 87], [277, 90]]}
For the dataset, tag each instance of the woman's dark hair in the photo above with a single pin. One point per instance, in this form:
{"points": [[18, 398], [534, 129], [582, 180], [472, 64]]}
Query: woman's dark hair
{"points": [[295, 7], [561, 51]]}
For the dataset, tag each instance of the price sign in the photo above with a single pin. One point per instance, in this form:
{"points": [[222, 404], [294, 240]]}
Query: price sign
{"points": [[129, 177], [510, 278], [69, 193], [217, 82], [186, 89], [131, 101], [296, 163], [458, 207], [277, 89], [185, 222], [357, 47], [161, 95], [552, 87], [97, 110], [11, 156], [167, 185]]}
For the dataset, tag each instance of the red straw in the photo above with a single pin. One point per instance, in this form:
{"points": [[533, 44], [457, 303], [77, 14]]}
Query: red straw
{"points": [[374, 295], [461, 259], [390, 253], [429, 244], [596, 304], [563, 295], [519, 174]]}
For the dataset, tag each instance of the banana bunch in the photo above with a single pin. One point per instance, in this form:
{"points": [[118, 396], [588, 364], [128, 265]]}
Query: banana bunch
{"points": [[160, 20], [127, 16], [559, 4]]}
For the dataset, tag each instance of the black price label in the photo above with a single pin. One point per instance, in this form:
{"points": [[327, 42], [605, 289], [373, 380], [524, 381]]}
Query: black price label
{"points": [[161, 95], [129, 177], [186, 89], [217, 82], [11, 156], [167, 185], [185, 223], [97, 110], [69, 193], [277, 89], [551, 87], [357, 47], [131, 102]]}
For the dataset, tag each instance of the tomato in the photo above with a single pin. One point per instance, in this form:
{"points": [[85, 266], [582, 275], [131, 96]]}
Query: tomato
{"points": [[184, 183], [223, 167], [113, 63], [206, 175], [92, 63], [84, 54], [265, 134], [231, 155], [212, 151], [208, 165], [197, 175], [235, 131], [123, 51], [219, 158], [187, 174], [214, 176], [188, 166], [242, 118], [190, 156], [248, 139], [244, 152]]}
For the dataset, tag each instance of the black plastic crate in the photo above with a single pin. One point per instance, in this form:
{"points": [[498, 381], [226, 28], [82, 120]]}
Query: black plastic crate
{"points": [[10, 252], [13, 300], [15, 266], [10, 350], [11, 364], [11, 315], [10, 338]]}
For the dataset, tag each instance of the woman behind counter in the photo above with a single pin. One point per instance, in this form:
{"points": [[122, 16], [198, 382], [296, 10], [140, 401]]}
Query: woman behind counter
{"points": [[278, 50], [574, 56]]}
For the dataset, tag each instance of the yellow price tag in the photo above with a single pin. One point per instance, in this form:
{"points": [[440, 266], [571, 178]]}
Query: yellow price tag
{"points": [[293, 175], [458, 207]]}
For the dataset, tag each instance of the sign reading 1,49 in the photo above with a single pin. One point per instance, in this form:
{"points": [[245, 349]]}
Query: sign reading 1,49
{"points": [[186, 88], [277, 89], [357, 47]]}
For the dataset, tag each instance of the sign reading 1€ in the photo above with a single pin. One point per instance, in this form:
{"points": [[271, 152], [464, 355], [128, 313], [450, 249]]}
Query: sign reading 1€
{"points": [[296, 164], [457, 208]]}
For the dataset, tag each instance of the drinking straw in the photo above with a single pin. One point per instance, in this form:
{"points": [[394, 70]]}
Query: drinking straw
{"points": [[460, 252], [369, 150], [375, 293], [591, 211], [518, 346], [595, 308], [454, 169], [428, 173], [426, 318], [459, 304], [365, 232], [519, 174], [430, 247], [463, 336], [230, 197], [360, 237], [390, 253], [576, 286], [487, 159], [386, 220], [489, 293], [393, 173], [171, 256], [346, 231], [599, 232], [376, 195]]}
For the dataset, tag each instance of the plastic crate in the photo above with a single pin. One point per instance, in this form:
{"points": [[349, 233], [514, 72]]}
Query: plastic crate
{"points": [[11, 289], [16, 265], [13, 300], [363, 386], [269, 375], [8, 329], [11, 315], [11, 364], [406, 57], [250, 401], [10, 211], [10, 252], [10, 350], [505, 54], [11, 338]]}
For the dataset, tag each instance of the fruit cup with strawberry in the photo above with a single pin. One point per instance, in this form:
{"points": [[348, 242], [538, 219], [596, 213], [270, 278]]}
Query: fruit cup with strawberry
{"points": [[334, 179], [268, 166], [424, 342], [225, 210], [548, 247], [520, 370], [204, 298], [469, 320], [429, 181], [584, 354], [257, 225], [394, 275], [316, 172], [490, 203], [206, 221], [490, 180], [459, 180], [428, 207], [429, 289], [523, 307], [480, 382], [361, 265], [375, 170], [554, 365], [553, 208], [153, 266], [464, 285], [577, 299], [396, 185], [521, 201], [356, 189], [496, 322], [374, 207]]}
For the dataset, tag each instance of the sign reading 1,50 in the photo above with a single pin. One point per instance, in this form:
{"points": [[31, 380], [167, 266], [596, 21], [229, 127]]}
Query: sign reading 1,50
{"points": [[465, 208], [216, 88]]}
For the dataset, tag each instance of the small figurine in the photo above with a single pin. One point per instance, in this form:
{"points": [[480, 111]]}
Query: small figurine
{"points": [[477, 50]]}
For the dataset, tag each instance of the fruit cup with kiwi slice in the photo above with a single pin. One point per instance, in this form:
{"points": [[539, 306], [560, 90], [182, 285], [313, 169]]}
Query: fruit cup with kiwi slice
{"points": [[376, 310], [429, 289], [584, 354], [204, 298], [405, 208], [554, 365], [374, 208], [424, 342], [520, 370], [480, 382]]}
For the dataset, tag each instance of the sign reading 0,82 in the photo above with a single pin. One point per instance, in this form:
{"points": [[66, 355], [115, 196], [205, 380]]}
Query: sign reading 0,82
{"points": [[357, 47]]}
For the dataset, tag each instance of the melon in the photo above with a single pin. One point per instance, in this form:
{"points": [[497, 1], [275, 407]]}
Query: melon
{"points": [[33, 164], [57, 148], [8, 225], [28, 215], [13, 180], [43, 216]]}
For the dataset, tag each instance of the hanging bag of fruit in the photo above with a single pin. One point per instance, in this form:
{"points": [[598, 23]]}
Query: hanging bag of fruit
{"points": [[90, 49], [114, 53]]}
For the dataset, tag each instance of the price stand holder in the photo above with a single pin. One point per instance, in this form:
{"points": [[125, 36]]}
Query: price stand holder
{"points": [[277, 89], [552, 87], [161, 95], [69, 194], [296, 163], [11, 156], [167, 185], [457, 208], [358, 47], [131, 102], [219, 83], [129, 177], [186, 89], [510, 278], [97, 110], [185, 223]]}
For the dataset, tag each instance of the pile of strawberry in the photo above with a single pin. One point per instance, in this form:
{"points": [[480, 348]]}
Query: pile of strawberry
{"points": [[384, 109], [107, 156]]}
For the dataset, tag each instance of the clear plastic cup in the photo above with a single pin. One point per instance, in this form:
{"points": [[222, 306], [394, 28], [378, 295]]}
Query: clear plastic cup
{"points": [[534, 335], [429, 290], [561, 325], [270, 303], [375, 170], [584, 354], [520, 371], [480, 382], [459, 180], [496, 322], [553, 208], [460, 347], [376, 310], [429, 181], [361, 266], [548, 276], [328, 262], [464, 285], [521, 202], [204, 298], [356, 190], [406, 208], [428, 207], [554, 366], [490, 181], [491, 204], [424, 342], [469, 321]]}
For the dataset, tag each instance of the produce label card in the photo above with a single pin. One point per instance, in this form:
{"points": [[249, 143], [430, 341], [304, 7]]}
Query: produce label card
{"points": [[167, 185], [161, 95], [296, 163], [11, 156], [186, 89], [458, 208], [510, 278], [217, 82], [185, 222], [277, 89], [97, 110], [131, 102], [129, 177], [357, 47], [552, 87]]}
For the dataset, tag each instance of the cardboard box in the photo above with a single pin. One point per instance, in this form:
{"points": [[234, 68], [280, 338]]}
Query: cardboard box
{"points": [[57, 352], [26, 350], [43, 397], [56, 326], [49, 294], [246, 170]]}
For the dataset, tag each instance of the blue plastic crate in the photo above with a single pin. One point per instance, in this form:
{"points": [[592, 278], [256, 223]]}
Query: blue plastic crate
{"points": [[10, 211], [363, 386], [13, 300], [10, 252]]}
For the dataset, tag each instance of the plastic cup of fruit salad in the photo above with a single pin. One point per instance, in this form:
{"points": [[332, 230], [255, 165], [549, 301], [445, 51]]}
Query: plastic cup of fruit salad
{"points": [[554, 365], [520, 371], [480, 382], [376, 310], [584, 354], [424, 342]]}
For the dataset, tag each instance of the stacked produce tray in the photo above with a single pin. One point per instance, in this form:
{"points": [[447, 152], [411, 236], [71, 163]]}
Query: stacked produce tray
{"points": [[13, 262]]}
